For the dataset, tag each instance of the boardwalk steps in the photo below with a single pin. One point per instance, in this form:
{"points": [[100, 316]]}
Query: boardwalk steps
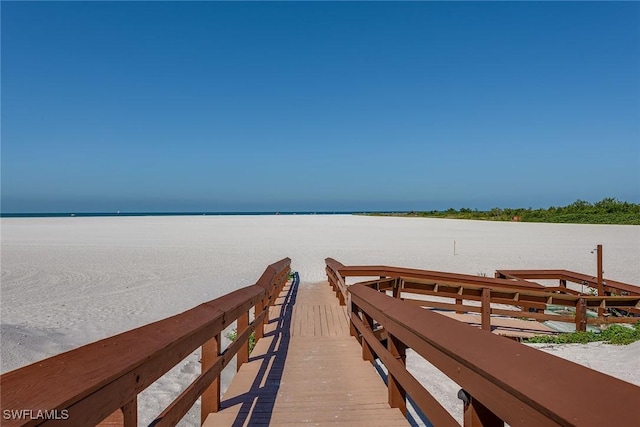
{"points": [[307, 369]]}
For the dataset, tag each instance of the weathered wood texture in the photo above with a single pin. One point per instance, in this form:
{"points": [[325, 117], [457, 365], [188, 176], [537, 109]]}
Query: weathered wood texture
{"points": [[307, 369]]}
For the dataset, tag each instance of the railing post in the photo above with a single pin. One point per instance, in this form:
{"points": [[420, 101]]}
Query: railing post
{"points": [[486, 309], [130, 413], [476, 414], [367, 351], [340, 295], [127, 416], [600, 280], [210, 400], [352, 328], [581, 315], [397, 394], [459, 302], [397, 288], [332, 280], [243, 351], [259, 328], [265, 307]]}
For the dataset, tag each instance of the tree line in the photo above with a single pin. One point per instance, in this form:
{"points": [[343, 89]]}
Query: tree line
{"points": [[606, 211]]}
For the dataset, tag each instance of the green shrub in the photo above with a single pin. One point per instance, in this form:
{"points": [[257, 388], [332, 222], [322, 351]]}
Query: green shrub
{"points": [[606, 211], [252, 338], [614, 334]]}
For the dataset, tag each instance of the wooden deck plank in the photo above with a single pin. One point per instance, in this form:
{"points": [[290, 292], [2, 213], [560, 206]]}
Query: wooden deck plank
{"points": [[308, 371], [331, 321], [502, 325]]}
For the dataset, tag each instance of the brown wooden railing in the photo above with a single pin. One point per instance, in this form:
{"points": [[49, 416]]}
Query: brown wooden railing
{"points": [[101, 381], [528, 299], [501, 380]]}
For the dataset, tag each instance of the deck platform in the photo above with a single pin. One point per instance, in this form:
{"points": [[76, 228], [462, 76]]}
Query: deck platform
{"points": [[307, 370], [500, 325]]}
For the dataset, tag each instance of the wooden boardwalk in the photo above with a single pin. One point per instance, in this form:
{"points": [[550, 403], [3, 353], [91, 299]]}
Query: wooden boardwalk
{"points": [[307, 370]]}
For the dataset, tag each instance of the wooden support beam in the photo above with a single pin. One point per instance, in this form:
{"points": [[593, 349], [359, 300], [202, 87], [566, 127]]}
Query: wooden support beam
{"points": [[397, 394], [265, 306], [127, 416], [259, 308], [367, 351], [210, 400], [486, 309], [243, 353], [352, 328], [130, 413], [476, 414], [600, 280], [459, 301], [581, 315], [397, 288]]}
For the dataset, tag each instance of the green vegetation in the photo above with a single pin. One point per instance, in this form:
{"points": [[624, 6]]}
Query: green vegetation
{"points": [[614, 334], [606, 211], [252, 338]]}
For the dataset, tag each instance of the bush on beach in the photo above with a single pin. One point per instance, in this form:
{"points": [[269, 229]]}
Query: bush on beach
{"points": [[614, 334], [252, 338], [606, 211]]}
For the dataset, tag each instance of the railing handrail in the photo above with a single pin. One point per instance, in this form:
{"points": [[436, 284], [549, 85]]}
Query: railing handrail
{"points": [[570, 276], [532, 291], [539, 295], [338, 284], [521, 385], [389, 271], [94, 380], [501, 379]]}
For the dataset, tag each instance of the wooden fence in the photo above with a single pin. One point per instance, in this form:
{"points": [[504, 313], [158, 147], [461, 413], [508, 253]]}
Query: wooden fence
{"points": [[527, 299], [100, 382], [501, 380]]}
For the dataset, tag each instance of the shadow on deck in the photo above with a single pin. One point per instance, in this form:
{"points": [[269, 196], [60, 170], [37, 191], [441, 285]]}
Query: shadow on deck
{"points": [[253, 392], [307, 368]]}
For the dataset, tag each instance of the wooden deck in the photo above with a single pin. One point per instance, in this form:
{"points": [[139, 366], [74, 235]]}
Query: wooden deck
{"points": [[506, 326], [307, 370]]}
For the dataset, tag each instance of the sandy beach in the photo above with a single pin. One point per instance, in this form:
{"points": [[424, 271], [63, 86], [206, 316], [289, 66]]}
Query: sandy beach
{"points": [[70, 281]]}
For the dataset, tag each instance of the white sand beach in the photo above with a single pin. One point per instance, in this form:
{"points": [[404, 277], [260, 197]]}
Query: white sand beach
{"points": [[70, 281]]}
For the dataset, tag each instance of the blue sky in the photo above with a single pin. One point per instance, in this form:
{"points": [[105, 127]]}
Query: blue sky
{"points": [[207, 106]]}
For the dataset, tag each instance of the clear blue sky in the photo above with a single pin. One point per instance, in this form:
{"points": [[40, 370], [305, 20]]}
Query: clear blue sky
{"points": [[207, 106]]}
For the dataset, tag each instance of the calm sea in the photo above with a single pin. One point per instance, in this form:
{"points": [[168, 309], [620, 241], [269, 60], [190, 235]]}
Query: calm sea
{"points": [[92, 214]]}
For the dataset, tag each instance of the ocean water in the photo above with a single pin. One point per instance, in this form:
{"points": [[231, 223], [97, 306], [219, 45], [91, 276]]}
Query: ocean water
{"points": [[101, 214]]}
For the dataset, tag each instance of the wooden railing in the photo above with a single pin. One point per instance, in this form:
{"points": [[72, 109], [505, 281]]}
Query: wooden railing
{"points": [[501, 380], [336, 280], [101, 381], [528, 299]]}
